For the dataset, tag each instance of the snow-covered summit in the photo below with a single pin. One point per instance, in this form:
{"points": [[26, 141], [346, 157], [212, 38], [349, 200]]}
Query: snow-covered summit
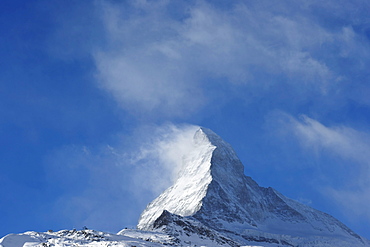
{"points": [[212, 159], [184, 198], [213, 189]]}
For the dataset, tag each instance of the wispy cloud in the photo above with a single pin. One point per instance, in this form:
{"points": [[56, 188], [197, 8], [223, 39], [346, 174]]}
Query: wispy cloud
{"points": [[348, 144], [342, 141], [158, 63], [349, 148]]}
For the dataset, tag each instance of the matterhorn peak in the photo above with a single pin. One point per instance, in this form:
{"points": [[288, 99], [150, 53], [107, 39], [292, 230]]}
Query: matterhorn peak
{"points": [[211, 165], [211, 184], [184, 198], [213, 190]]}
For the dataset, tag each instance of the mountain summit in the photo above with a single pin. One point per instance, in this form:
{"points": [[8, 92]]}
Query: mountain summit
{"points": [[213, 191], [210, 169], [211, 163]]}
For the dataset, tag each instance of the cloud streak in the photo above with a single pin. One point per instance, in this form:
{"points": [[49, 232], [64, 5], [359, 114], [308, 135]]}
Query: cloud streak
{"points": [[349, 148], [343, 141]]}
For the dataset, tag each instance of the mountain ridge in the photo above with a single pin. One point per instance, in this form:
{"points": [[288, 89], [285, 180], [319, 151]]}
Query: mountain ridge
{"points": [[231, 201]]}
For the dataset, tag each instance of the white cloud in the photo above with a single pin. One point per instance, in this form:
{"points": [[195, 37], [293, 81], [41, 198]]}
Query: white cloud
{"points": [[142, 71], [342, 141], [160, 64], [354, 202]]}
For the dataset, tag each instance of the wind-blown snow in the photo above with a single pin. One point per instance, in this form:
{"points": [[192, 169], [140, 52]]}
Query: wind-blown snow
{"points": [[185, 196]]}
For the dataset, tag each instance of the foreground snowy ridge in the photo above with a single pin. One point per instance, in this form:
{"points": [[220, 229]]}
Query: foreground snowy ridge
{"points": [[212, 203], [91, 238]]}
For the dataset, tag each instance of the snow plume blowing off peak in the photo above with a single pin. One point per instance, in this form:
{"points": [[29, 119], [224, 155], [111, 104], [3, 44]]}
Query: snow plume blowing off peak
{"points": [[156, 156], [185, 197]]}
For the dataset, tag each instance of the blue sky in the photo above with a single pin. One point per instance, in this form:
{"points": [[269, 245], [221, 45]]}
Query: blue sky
{"points": [[98, 99]]}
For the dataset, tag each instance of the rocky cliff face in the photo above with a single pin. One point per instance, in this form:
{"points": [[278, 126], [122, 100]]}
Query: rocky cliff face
{"points": [[213, 190]]}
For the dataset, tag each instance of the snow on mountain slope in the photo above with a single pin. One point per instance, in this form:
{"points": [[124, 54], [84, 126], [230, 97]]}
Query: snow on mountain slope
{"points": [[125, 238], [213, 189], [88, 238]]}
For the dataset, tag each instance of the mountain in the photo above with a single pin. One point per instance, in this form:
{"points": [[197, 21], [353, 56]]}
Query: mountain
{"points": [[212, 203], [213, 190]]}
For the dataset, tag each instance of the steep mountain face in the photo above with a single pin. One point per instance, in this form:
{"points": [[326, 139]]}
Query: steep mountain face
{"points": [[213, 190]]}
